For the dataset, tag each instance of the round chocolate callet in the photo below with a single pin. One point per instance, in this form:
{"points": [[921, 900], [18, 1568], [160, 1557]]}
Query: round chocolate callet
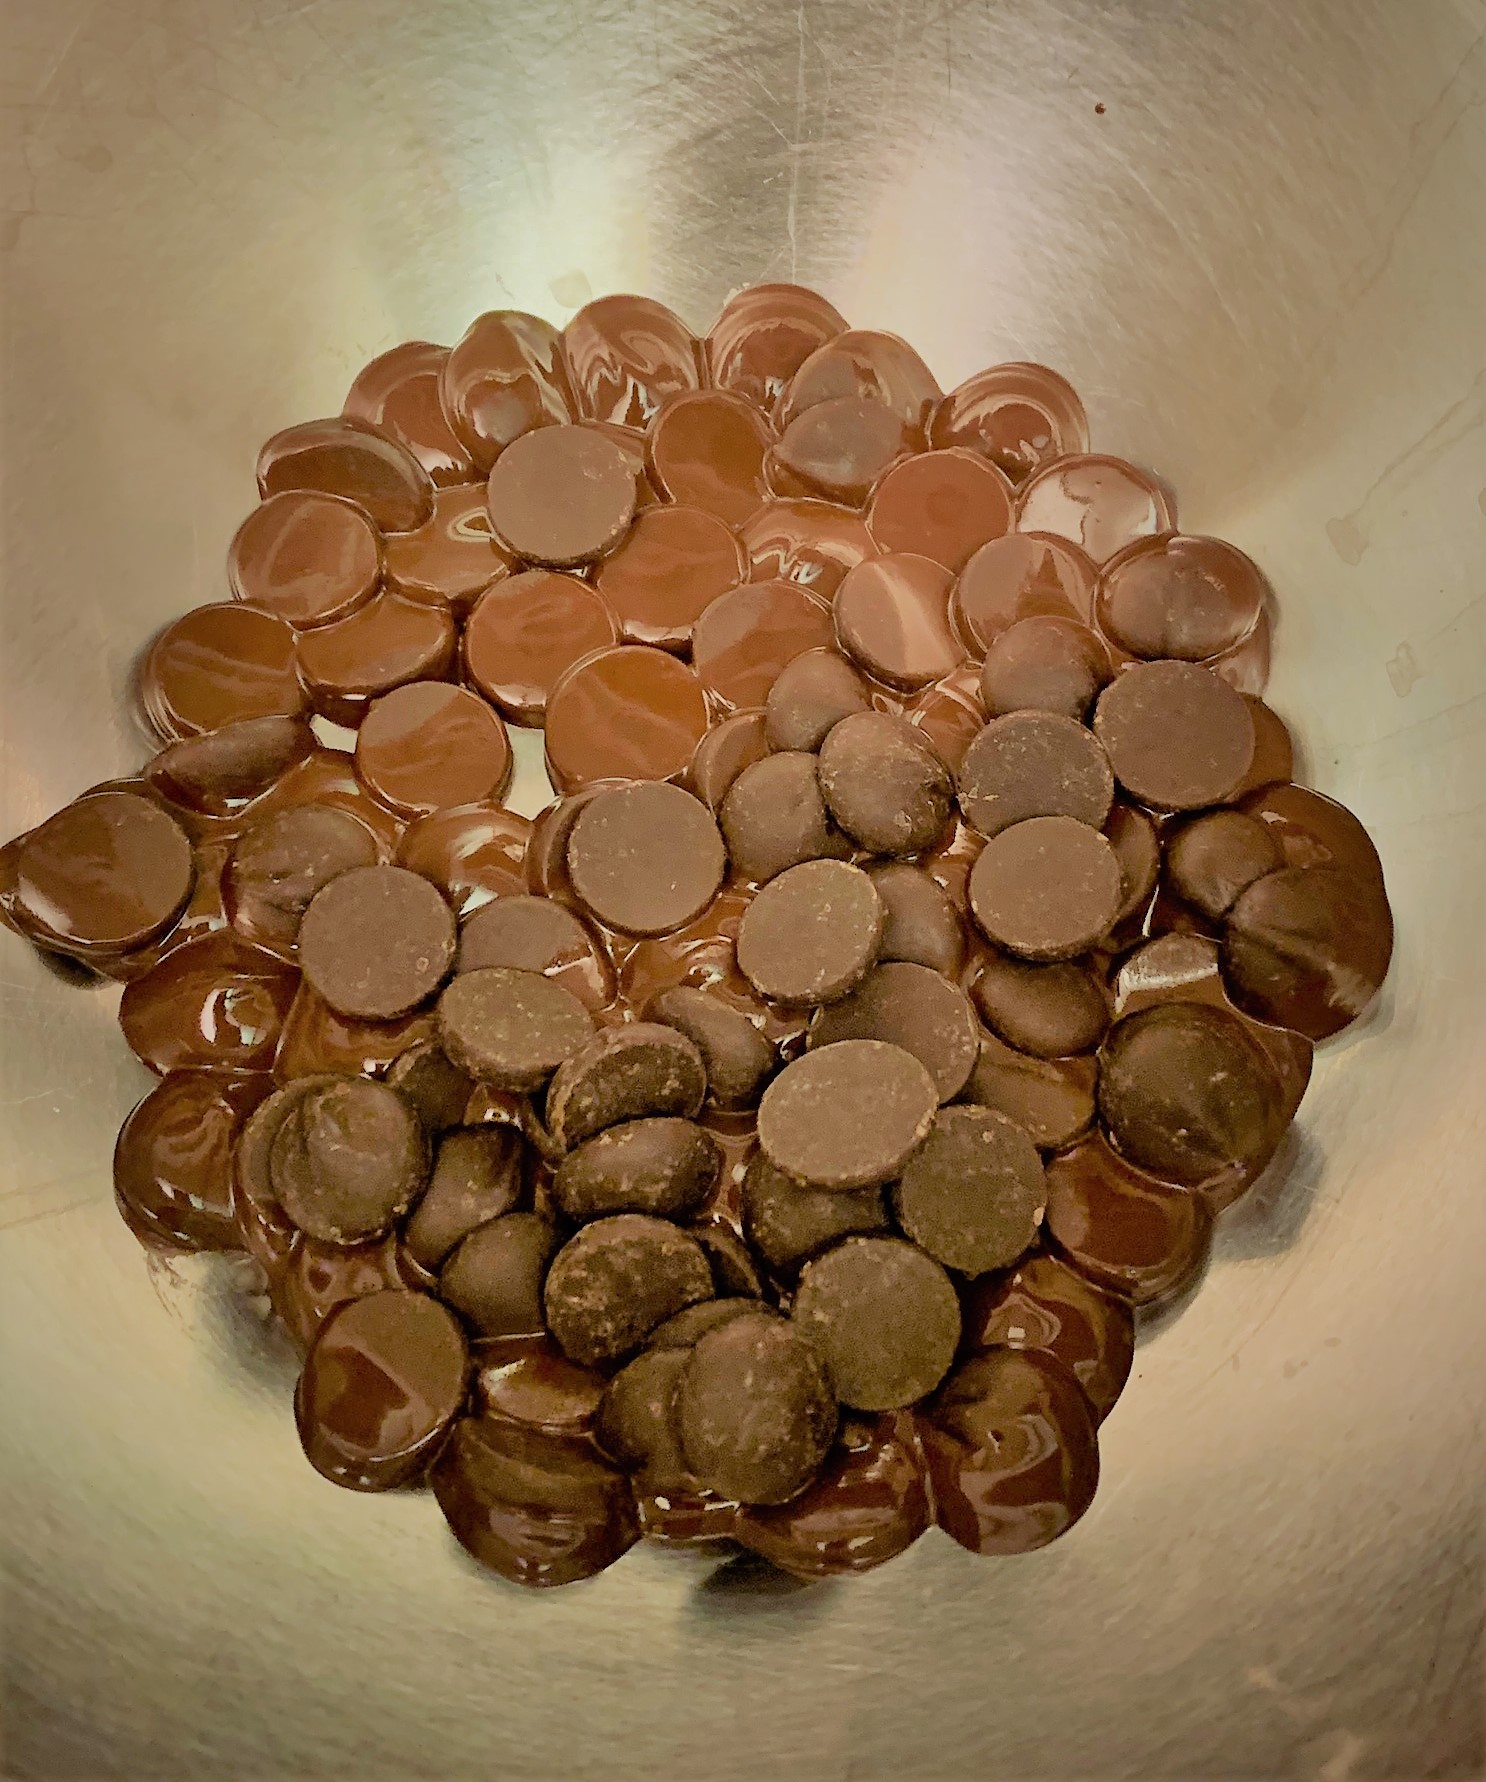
{"points": [[376, 941], [847, 1116], [476, 1177], [738, 1057], [885, 784], [814, 693], [1052, 1099], [624, 1073], [438, 1089], [884, 1318], [561, 495], [610, 1286], [1034, 764], [383, 1381], [635, 1424], [1178, 737], [1047, 888], [774, 817], [787, 1223], [661, 1165], [923, 927], [219, 772], [1215, 858], [646, 859], [973, 1193], [280, 863], [494, 1277], [812, 933], [723, 753], [734, 1269], [537, 934], [1049, 1010], [511, 1028], [913, 1007], [1185, 1091], [892, 616], [347, 1160], [755, 1411], [1308, 948], [1043, 665], [688, 1327]]}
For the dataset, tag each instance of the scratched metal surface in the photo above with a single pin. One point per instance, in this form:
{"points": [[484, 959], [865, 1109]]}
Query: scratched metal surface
{"points": [[1263, 263]]}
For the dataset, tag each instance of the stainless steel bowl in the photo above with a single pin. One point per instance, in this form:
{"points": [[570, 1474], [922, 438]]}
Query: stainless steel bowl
{"points": [[1251, 233]]}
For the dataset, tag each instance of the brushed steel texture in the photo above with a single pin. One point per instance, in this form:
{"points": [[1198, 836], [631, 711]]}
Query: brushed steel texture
{"points": [[1262, 262]]}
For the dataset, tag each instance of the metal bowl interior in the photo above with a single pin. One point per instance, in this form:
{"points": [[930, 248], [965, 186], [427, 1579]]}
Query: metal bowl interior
{"points": [[1251, 237]]}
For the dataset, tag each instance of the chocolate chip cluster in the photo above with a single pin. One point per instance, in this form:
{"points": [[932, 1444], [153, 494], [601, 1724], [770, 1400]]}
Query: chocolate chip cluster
{"points": [[773, 1140]]}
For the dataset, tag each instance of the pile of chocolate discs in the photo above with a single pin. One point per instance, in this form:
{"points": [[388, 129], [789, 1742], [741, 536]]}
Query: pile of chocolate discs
{"points": [[772, 1142]]}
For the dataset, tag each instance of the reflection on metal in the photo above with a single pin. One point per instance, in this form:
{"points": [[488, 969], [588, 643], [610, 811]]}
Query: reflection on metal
{"points": [[1261, 264]]}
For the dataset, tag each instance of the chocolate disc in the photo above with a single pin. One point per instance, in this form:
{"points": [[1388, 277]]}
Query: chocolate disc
{"points": [[476, 1178], [346, 457], [865, 362], [675, 562], [1047, 888], [526, 632], [723, 753], [535, 934], [624, 1073], [494, 1276], [381, 1385], [892, 617], [389, 642], [628, 713], [923, 927], [764, 334], [106, 874], [1308, 948], [528, 1381], [439, 1090], [221, 772], [1043, 665], [883, 1317], [812, 695], [913, 1007], [305, 557], [738, 1057], [348, 1159], [453, 557], [943, 505], [504, 377], [1187, 598], [847, 1116], [1121, 1229], [787, 1223], [1012, 1452], [707, 450], [754, 1411], [1021, 576], [950, 714], [812, 933], [636, 1421], [1045, 1305], [1034, 764], [1178, 737], [972, 1195], [1215, 858], [510, 1028], [428, 745], [398, 393], [646, 859], [172, 1164], [1047, 1010], [376, 942], [746, 639], [885, 784], [214, 1003], [837, 450], [813, 543], [1185, 1091], [627, 356], [774, 817], [219, 665], [666, 1167], [1100, 503], [1052, 1099], [538, 1509], [616, 1280], [1018, 415], [471, 852], [1132, 835], [561, 496], [734, 1270]]}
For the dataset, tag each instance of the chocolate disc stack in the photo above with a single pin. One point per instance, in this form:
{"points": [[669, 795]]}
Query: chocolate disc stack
{"points": [[773, 1140]]}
